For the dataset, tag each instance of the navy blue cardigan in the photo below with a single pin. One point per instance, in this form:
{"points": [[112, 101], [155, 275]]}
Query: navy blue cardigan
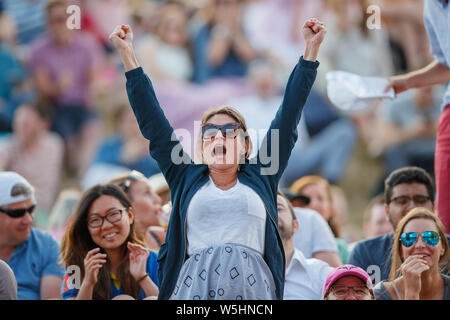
{"points": [[186, 178]]}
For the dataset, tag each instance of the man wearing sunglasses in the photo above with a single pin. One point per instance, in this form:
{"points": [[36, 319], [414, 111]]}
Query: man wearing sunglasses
{"points": [[31, 253], [405, 188]]}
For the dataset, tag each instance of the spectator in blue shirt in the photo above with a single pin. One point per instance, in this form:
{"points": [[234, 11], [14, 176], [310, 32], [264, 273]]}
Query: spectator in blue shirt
{"points": [[31, 253]]}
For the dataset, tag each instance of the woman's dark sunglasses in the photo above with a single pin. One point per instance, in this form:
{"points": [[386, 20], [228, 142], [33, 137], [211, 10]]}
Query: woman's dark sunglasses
{"points": [[229, 130], [18, 213], [429, 237]]}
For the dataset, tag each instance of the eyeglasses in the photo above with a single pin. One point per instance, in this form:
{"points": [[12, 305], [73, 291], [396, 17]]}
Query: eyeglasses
{"points": [[341, 290], [429, 237], [115, 215], [419, 200], [18, 213], [229, 130]]}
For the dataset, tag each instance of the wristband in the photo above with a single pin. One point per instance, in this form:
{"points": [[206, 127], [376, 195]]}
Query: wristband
{"points": [[143, 277]]}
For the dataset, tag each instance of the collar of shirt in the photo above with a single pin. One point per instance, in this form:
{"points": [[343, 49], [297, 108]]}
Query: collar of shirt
{"points": [[297, 258], [19, 249]]}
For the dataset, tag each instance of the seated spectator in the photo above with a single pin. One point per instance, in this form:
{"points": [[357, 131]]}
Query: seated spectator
{"points": [[316, 240], [36, 154], [304, 277], [348, 283], [103, 243], [8, 284], [376, 222], [165, 55], [220, 45], [406, 130], [147, 207], [126, 148], [32, 254], [64, 64], [419, 254], [14, 80], [405, 189], [319, 191], [29, 17]]}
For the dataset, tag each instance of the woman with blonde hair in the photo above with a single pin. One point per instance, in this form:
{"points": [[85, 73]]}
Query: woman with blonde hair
{"points": [[222, 240], [420, 256], [146, 204], [319, 191]]}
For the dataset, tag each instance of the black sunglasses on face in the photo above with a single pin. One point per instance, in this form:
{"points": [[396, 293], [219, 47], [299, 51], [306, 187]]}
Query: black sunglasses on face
{"points": [[18, 213], [229, 130]]}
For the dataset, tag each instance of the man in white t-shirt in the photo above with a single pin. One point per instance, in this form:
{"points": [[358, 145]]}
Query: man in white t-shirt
{"points": [[304, 278], [315, 239]]}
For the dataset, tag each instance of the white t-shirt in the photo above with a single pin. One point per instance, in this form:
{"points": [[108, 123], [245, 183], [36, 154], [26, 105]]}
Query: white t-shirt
{"points": [[305, 278], [216, 216], [314, 234]]}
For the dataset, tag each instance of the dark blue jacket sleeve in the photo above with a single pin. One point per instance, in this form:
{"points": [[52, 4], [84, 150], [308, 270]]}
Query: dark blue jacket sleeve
{"points": [[282, 134], [165, 147]]}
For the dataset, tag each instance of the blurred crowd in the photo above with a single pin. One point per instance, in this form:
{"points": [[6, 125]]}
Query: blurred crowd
{"points": [[66, 123]]}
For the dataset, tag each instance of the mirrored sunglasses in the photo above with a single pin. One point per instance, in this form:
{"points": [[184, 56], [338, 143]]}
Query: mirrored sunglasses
{"points": [[429, 237]]}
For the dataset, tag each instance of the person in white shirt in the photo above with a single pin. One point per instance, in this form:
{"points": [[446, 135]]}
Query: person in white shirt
{"points": [[316, 239], [304, 278]]}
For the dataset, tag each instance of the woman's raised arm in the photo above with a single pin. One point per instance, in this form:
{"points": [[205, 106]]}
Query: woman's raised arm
{"points": [[165, 147]]}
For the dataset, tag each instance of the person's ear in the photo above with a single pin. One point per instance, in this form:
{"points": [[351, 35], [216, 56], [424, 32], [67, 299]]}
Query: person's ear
{"points": [[296, 226], [130, 213]]}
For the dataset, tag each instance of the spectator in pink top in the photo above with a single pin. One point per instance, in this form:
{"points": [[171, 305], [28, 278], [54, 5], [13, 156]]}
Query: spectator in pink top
{"points": [[63, 65]]}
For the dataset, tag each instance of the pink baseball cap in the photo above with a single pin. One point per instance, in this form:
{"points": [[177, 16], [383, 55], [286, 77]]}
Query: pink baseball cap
{"points": [[343, 271]]}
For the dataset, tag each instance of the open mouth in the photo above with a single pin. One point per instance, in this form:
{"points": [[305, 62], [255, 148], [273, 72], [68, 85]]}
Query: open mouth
{"points": [[219, 150]]}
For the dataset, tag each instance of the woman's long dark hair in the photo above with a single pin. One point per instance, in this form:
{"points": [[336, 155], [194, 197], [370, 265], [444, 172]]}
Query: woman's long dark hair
{"points": [[77, 241]]}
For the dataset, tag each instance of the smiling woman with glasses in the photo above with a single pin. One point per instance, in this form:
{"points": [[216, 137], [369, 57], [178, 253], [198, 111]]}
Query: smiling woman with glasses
{"points": [[420, 260], [102, 242]]}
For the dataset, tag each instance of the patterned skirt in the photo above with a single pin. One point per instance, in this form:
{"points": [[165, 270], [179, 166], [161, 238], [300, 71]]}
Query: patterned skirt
{"points": [[225, 272]]}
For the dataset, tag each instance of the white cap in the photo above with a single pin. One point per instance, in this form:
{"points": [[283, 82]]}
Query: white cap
{"points": [[14, 188]]}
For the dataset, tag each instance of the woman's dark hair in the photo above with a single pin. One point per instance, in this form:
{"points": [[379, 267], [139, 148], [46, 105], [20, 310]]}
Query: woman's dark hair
{"points": [[77, 242]]}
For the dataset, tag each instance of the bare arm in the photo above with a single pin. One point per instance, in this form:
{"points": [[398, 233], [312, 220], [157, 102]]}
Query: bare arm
{"points": [[50, 287], [432, 74], [332, 258]]}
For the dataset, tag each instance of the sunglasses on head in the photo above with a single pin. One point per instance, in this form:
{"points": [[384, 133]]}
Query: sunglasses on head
{"points": [[429, 237], [18, 213], [229, 130]]}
